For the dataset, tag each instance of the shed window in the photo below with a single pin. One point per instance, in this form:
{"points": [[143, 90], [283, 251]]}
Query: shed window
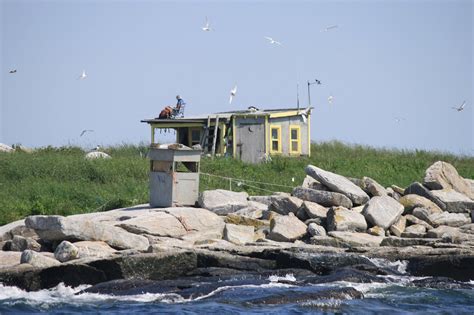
{"points": [[275, 137], [295, 139], [195, 136]]}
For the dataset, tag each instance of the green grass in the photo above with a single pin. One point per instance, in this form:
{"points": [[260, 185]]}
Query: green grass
{"points": [[61, 181]]}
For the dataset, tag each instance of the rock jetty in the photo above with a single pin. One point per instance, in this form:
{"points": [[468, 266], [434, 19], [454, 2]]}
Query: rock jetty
{"points": [[327, 223]]}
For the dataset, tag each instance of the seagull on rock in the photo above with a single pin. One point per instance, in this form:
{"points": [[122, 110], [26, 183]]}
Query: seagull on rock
{"points": [[232, 94]]}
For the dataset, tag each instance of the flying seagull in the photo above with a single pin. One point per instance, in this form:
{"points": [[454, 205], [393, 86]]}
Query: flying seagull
{"points": [[399, 119], [207, 27], [328, 28], [84, 131], [330, 99], [272, 41], [232, 94], [460, 108], [83, 75], [304, 114], [13, 71]]}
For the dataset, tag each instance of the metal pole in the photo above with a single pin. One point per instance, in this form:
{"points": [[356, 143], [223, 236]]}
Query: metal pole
{"points": [[309, 95]]}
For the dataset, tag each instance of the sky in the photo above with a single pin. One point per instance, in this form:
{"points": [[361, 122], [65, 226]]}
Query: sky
{"points": [[395, 69]]}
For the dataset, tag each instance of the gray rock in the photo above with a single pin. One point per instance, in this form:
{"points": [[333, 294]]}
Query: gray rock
{"points": [[239, 234], [5, 230], [412, 201], [414, 231], [223, 201], [37, 259], [392, 193], [20, 243], [317, 221], [338, 183], [342, 219], [398, 227], [324, 198], [420, 190], [357, 239], [58, 228], [372, 188], [399, 190], [9, 259], [316, 230], [66, 251], [286, 228], [454, 201], [310, 182], [442, 175], [449, 219], [405, 242], [302, 215], [266, 200], [376, 230], [443, 231], [328, 241], [284, 205], [382, 211], [411, 220], [93, 249], [424, 214], [314, 210]]}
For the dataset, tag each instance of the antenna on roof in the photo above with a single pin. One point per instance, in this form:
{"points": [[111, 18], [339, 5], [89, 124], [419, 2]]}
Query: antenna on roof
{"points": [[298, 95]]}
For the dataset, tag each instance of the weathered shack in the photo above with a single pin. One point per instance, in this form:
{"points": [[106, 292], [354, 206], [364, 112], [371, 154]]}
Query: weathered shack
{"points": [[250, 135]]}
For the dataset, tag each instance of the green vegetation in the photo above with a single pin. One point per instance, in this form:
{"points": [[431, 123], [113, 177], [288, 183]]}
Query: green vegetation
{"points": [[61, 181]]}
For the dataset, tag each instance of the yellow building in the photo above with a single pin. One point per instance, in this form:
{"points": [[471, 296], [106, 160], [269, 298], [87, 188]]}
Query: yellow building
{"points": [[250, 135]]}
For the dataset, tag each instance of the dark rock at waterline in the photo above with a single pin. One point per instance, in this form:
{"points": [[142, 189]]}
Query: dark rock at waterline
{"points": [[293, 296], [458, 267], [441, 283], [206, 258], [346, 274]]}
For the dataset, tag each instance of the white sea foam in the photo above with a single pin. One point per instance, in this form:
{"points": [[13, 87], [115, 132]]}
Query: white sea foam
{"points": [[400, 266], [287, 277]]}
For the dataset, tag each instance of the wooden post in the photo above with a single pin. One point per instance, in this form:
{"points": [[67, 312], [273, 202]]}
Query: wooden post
{"points": [[215, 136]]}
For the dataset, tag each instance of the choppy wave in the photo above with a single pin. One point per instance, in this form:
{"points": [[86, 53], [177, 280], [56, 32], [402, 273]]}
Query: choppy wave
{"points": [[399, 265]]}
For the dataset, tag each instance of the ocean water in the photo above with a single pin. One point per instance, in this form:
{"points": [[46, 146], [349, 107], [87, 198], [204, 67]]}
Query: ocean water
{"points": [[251, 294]]}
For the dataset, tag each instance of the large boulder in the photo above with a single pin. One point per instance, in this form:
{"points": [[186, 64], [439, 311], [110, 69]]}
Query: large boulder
{"points": [[420, 190], [415, 231], [9, 259], [338, 183], [20, 243], [411, 220], [93, 249], [97, 155], [442, 175], [357, 239], [342, 219], [284, 204], [399, 226], [157, 223], [37, 259], [66, 251], [222, 201], [443, 231], [449, 219], [310, 182], [239, 234], [234, 218], [324, 198], [6, 148], [59, 228], [286, 228], [382, 211], [454, 201], [315, 211], [316, 230], [412, 201], [372, 188]]}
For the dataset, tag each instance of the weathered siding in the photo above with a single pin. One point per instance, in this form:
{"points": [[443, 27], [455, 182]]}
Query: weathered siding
{"points": [[285, 123], [250, 139]]}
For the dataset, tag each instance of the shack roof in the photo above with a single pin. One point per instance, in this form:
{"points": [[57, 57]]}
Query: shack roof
{"points": [[226, 116]]}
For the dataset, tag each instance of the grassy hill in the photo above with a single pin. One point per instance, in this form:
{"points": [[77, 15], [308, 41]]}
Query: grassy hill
{"points": [[61, 181]]}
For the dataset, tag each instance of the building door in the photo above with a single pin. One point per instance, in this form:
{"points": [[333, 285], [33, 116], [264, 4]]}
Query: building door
{"points": [[250, 144]]}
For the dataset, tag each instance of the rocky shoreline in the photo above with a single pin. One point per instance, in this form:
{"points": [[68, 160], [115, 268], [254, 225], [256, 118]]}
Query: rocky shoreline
{"points": [[327, 225]]}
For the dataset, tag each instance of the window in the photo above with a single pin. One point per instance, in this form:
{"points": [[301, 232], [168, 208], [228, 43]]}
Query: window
{"points": [[295, 139], [275, 139], [194, 136]]}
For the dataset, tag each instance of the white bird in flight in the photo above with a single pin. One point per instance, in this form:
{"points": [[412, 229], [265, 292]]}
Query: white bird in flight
{"points": [[330, 99], [272, 41], [328, 28], [83, 75], [304, 114], [84, 131], [12, 71], [399, 119], [460, 108], [207, 27], [232, 94]]}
